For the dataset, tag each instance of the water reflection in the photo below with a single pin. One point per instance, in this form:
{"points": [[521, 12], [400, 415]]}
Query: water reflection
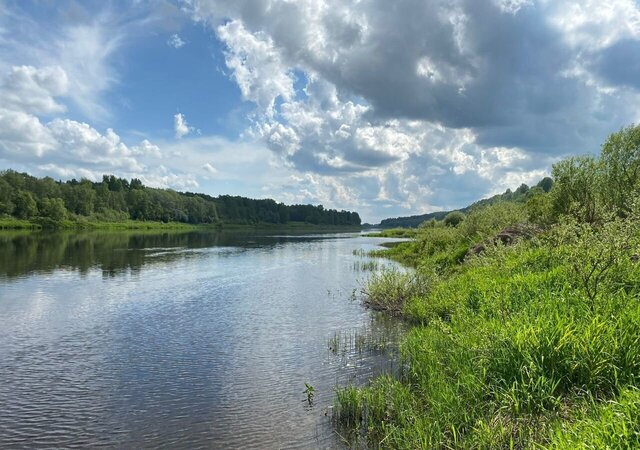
{"points": [[118, 252], [193, 340]]}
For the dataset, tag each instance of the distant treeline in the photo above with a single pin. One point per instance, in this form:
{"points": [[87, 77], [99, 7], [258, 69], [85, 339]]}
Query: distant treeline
{"points": [[116, 199], [519, 195]]}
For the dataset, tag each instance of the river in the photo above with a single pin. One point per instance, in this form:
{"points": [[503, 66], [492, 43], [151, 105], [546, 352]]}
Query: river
{"points": [[182, 340]]}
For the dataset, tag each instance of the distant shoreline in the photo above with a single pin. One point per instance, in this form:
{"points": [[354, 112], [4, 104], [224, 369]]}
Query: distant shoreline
{"points": [[13, 224]]}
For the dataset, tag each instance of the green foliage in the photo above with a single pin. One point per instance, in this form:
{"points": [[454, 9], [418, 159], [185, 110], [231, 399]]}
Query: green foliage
{"points": [[599, 256], [412, 221], [441, 247], [11, 223], [53, 208], [589, 188], [310, 392], [505, 346], [454, 218], [612, 425], [25, 205], [116, 199], [390, 289], [487, 221], [577, 189], [539, 207], [395, 233], [545, 184], [621, 168]]}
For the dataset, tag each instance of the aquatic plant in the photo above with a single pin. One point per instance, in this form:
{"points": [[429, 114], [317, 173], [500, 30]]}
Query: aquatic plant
{"points": [[309, 391]]}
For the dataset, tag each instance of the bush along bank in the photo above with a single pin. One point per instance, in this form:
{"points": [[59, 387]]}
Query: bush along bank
{"points": [[530, 342]]}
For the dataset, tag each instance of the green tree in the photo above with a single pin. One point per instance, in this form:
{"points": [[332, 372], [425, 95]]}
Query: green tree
{"points": [[539, 207], [577, 189], [79, 198], [6, 198], [620, 160], [545, 184], [25, 205], [53, 208]]}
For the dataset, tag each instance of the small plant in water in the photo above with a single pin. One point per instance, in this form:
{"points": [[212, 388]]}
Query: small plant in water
{"points": [[310, 392], [334, 343]]}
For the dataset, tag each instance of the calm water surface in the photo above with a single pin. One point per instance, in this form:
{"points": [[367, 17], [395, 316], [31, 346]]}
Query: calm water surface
{"points": [[190, 340]]}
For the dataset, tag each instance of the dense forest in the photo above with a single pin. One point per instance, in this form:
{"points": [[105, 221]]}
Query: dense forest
{"points": [[521, 194], [113, 199], [524, 319]]}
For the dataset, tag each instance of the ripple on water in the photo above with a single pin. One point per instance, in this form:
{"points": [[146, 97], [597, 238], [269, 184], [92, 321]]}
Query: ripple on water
{"points": [[182, 345]]}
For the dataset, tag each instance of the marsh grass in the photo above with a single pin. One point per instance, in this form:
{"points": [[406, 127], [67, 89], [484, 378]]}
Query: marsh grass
{"points": [[368, 266], [380, 337], [389, 290]]}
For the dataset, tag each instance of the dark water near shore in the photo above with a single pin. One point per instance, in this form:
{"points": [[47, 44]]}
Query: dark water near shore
{"points": [[181, 340]]}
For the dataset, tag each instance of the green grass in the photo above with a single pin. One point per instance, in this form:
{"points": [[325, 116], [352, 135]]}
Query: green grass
{"points": [[134, 225], [614, 424], [514, 348], [11, 223], [395, 233], [390, 289]]}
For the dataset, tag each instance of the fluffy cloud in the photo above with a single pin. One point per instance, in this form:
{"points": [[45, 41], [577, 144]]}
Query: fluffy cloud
{"points": [[84, 42], [429, 104], [65, 147], [256, 66], [180, 125], [22, 135], [34, 90], [64, 67]]}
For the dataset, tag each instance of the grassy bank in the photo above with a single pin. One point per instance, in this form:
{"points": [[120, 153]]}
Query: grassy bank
{"points": [[11, 223], [525, 338], [395, 233], [510, 350], [18, 224]]}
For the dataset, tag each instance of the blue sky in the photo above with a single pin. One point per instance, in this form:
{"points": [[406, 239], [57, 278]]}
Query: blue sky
{"points": [[388, 111]]}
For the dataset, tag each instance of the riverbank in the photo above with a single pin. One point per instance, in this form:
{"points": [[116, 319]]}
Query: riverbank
{"points": [[35, 225], [13, 224], [525, 326], [395, 233]]}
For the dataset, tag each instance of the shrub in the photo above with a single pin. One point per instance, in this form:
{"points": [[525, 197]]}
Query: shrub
{"points": [[454, 218], [601, 258], [620, 161], [577, 190], [486, 222], [539, 208]]}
